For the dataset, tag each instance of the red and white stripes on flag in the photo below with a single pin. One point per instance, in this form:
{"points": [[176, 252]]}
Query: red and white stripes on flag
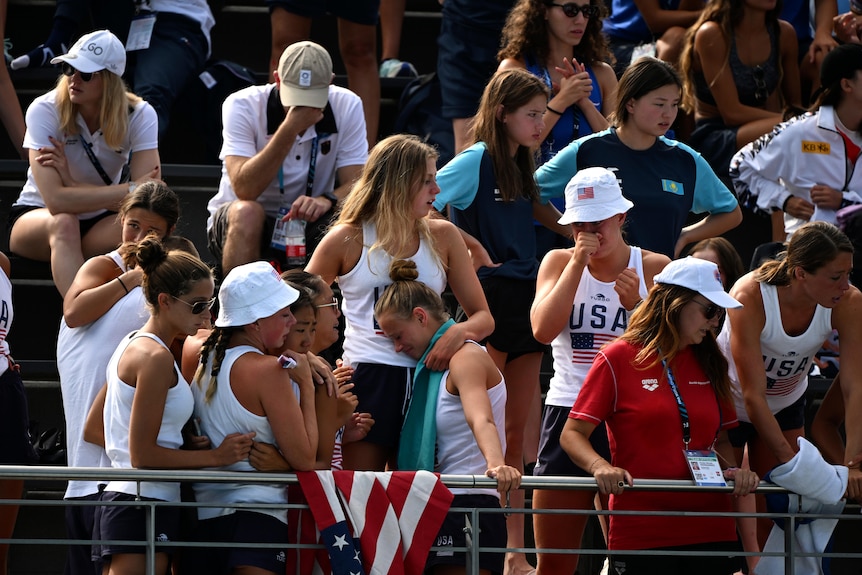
{"points": [[394, 515]]}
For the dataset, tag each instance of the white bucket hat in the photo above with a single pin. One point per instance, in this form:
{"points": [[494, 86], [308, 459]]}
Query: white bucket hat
{"points": [[592, 195], [251, 292]]}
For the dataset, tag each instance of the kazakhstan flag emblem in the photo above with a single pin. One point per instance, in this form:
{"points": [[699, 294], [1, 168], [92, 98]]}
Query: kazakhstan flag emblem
{"points": [[672, 187]]}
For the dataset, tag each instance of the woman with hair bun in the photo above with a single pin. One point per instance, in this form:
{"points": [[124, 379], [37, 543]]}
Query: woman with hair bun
{"points": [[466, 436], [147, 404]]}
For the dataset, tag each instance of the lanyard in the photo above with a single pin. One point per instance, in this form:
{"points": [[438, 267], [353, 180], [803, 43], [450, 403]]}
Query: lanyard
{"points": [[88, 148], [312, 165], [683, 410]]}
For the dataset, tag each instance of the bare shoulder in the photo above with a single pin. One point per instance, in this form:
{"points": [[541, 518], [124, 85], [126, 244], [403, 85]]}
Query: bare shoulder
{"points": [[710, 34], [511, 63], [472, 359], [653, 263], [604, 73], [747, 290], [554, 261], [848, 310]]}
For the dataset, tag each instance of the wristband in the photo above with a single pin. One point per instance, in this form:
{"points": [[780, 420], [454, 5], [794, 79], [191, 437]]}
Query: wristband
{"points": [[784, 205], [553, 111], [125, 289]]}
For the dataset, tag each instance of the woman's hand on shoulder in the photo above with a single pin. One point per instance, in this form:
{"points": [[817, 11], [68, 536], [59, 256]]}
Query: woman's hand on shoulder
{"points": [[508, 477], [444, 348], [322, 373], [235, 447]]}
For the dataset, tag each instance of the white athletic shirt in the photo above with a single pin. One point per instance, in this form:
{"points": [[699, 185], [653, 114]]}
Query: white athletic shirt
{"points": [[82, 357], [43, 120], [118, 411], [457, 450], [787, 359], [362, 286], [246, 132], [597, 317], [223, 415]]}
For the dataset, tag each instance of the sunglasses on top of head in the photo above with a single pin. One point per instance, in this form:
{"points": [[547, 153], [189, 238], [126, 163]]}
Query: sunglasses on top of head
{"points": [[710, 310], [69, 71], [199, 306], [571, 9]]}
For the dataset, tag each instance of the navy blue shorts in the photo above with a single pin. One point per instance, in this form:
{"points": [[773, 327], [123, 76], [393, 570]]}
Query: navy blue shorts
{"points": [[491, 533], [356, 11], [791, 417], [716, 142], [15, 449], [383, 391], [509, 301], [129, 523], [80, 521], [553, 460], [237, 527], [466, 60]]}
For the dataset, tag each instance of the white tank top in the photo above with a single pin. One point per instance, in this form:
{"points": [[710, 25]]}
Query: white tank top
{"points": [[787, 359], [6, 316], [82, 357], [362, 286], [118, 412], [597, 317], [223, 415], [457, 450]]}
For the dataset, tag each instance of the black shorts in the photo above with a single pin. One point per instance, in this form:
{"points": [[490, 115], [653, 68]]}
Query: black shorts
{"points": [[509, 301], [791, 417], [716, 142], [217, 234], [553, 460], [356, 11], [128, 523], [383, 391], [491, 533], [15, 448], [237, 527], [80, 520], [724, 563], [466, 60], [85, 226]]}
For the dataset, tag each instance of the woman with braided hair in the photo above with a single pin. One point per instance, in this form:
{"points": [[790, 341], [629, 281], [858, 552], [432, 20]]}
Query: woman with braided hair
{"points": [[240, 388]]}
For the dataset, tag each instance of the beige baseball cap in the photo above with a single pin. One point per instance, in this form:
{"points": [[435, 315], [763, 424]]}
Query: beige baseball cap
{"points": [[305, 72]]}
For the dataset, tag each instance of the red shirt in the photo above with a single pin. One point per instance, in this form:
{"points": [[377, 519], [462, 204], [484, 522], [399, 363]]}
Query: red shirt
{"points": [[645, 435]]}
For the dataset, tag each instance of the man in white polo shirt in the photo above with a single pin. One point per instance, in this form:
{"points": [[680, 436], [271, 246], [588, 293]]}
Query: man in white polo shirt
{"points": [[285, 144]]}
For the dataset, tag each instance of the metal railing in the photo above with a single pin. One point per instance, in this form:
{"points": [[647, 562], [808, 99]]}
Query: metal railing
{"points": [[55, 474]]}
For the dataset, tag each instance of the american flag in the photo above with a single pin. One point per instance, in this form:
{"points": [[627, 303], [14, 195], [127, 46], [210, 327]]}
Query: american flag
{"points": [[585, 193], [784, 385], [585, 346], [395, 517]]}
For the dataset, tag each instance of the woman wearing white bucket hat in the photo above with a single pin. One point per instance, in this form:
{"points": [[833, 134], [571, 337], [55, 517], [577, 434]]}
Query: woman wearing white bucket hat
{"points": [[90, 143], [602, 278], [663, 391], [239, 388]]}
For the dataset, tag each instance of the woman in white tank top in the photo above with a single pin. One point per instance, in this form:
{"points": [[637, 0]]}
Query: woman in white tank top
{"points": [[791, 306], [386, 216], [148, 402]]}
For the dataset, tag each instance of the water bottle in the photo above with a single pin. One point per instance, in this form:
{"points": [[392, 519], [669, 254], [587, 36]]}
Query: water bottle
{"points": [[295, 243], [279, 232]]}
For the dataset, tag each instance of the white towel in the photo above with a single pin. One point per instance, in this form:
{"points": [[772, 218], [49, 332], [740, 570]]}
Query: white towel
{"points": [[818, 489]]}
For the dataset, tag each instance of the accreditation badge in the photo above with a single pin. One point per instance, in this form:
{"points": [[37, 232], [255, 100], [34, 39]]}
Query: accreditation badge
{"points": [[704, 467]]}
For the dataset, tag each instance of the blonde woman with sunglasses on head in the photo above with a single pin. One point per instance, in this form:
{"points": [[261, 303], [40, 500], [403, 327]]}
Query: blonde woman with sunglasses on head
{"points": [[90, 143]]}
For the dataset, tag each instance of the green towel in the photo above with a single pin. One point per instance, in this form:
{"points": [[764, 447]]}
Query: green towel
{"points": [[419, 433]]}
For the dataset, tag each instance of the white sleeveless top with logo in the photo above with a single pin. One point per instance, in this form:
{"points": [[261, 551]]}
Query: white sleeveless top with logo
{"points": [[786, 358], [597, 317], [362, 286]]}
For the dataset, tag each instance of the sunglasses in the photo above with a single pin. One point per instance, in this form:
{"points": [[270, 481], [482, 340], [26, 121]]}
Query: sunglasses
{"points": [[199, 306], [760, 92], [69, 71], [571, 9], [333, 303], [710, 310]]}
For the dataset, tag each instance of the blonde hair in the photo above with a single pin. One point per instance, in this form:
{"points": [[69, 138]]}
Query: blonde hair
{"points": [[116, 104], [406, 293], [384, 193]]}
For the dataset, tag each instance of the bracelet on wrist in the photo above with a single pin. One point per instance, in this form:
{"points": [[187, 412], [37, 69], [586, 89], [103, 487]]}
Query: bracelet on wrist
{"points": [[125, 289], [553, 111], [593, 464]]}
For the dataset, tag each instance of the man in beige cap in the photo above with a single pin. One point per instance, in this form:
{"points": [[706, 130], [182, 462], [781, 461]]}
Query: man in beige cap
{"points": [[286, 147]]}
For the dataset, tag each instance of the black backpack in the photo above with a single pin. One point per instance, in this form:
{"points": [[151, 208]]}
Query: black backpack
{"points": [[420, 113]]}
